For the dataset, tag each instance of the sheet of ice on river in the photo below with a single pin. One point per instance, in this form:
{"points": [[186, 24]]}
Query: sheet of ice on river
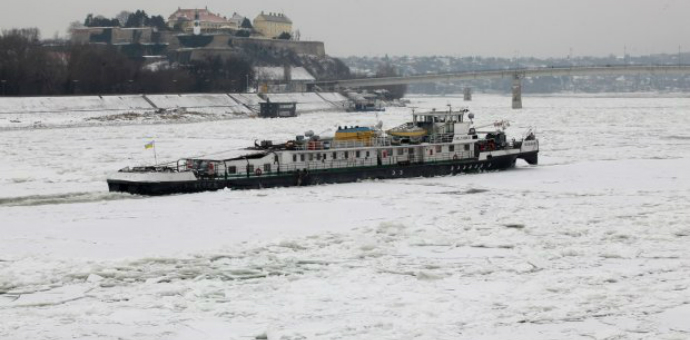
{"points": [[590, 244]]}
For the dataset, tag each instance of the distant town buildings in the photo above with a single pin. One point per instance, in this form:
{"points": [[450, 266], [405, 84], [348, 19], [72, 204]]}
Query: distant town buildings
{"points": [[272, 25]]}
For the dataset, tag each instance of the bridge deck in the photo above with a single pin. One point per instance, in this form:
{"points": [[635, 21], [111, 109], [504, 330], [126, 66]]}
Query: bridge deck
{"points": [[512, 74]]}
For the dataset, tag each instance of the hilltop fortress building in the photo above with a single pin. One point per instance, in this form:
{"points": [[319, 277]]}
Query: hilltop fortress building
{"points": [[198, 34], [272, 25], [183, 19]]}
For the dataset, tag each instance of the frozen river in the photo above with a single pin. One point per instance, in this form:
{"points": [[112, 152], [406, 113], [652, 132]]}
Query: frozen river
{"points": [[591, 244]]}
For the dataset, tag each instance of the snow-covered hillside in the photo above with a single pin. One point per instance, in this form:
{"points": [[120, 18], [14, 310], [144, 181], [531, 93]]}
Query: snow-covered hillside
{"points": [[590, 244]]}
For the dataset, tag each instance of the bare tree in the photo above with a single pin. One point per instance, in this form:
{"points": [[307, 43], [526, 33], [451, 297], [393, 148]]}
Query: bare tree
{"points": [[73, 26], [122, 17]]}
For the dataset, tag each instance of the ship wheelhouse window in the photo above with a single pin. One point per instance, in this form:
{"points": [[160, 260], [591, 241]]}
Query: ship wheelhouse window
{"points": [[451, 148], [401, 151], [232, 170]]}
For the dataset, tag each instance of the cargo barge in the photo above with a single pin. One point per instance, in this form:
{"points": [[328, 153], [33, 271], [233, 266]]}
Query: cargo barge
{"points": [[432, 144]]}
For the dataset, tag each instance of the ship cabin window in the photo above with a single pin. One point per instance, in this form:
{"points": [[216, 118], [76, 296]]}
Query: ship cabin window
{"points": [[401, 151], [410, 151], [275, 159], [367, 155], [451, 148], [232, 170], [346, 154], [335, 155], [389, 152], [301, 157], [311, 157], [318, 156], [467, 147], [267, 168], [294, 158], [250, 168], [439, 148], [358, 154]]}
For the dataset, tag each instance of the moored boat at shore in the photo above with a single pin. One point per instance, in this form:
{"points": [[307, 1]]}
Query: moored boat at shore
{"points": [[433, 144]]}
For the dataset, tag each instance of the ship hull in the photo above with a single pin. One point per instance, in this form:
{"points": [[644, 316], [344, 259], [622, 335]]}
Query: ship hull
{"points": [[330, 176]]}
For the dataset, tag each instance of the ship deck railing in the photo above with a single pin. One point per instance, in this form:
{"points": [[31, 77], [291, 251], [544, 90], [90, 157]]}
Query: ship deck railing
{"points": [[343, 144], [371, 142]]}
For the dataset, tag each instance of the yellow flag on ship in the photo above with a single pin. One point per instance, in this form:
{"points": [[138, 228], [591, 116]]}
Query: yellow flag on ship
{"points": [[149, 145]]}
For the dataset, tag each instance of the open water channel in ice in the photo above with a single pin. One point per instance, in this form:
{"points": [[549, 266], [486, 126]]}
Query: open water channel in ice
{"points": [[591, 244]]}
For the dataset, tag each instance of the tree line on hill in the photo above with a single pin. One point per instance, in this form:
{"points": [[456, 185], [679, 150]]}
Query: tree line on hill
{"points": [[127, 19], [27, 68]]}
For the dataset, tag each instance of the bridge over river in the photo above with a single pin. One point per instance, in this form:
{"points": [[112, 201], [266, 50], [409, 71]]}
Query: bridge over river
{"points": [[515, 74]]}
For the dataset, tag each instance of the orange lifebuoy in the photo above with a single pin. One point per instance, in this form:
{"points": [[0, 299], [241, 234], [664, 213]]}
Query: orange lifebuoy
{"points": [[258, 172]]}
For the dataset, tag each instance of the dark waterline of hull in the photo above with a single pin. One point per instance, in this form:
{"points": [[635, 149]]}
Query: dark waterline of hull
{"points": [[333, 176]]}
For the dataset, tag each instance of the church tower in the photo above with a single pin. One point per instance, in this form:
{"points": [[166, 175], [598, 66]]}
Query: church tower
{"points": [[197, 23]]}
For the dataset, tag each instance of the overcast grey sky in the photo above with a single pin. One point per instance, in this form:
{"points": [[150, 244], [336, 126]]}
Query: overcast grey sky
{"points": [[541, 28]]}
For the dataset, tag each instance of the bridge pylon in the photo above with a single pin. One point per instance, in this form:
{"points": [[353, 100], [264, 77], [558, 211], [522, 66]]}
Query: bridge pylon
{"points": [[517, 91]]}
